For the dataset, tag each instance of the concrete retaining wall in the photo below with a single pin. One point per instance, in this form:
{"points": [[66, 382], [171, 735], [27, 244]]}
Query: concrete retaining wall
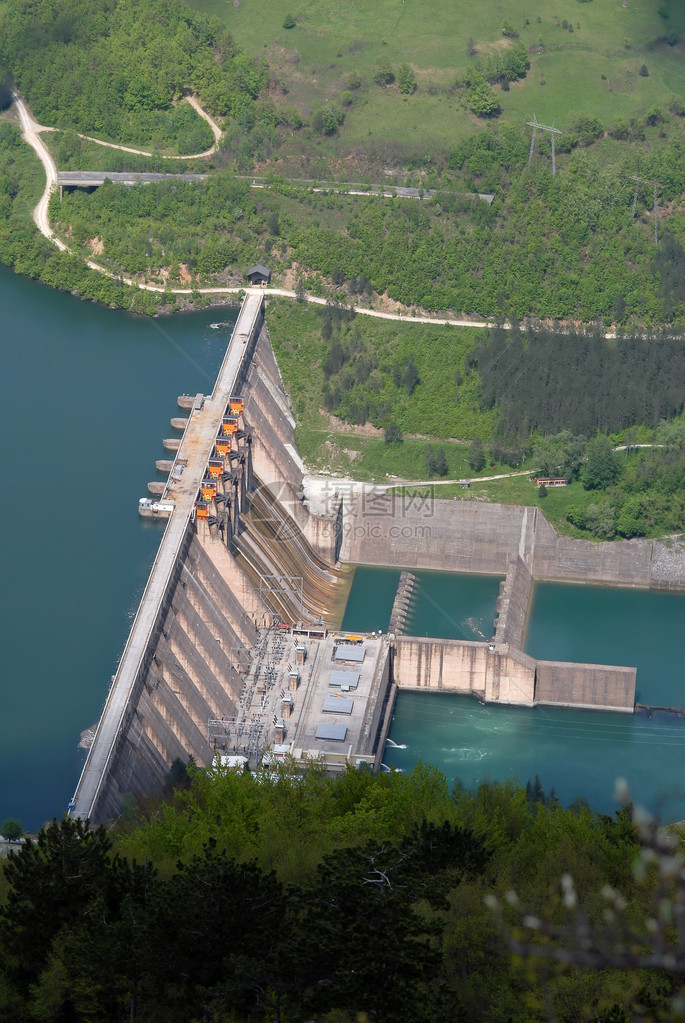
{"points": [[594, 686], [502, 674], [377, 711], [452, 536], [190, 673], [276, 461], [513, 604], [473, 536]]}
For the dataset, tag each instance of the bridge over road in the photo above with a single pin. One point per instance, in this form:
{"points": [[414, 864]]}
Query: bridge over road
{"points": [[92, 179]]}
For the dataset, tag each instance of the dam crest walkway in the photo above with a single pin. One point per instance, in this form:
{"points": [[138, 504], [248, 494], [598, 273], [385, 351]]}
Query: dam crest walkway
{"points": [[196, 447]]}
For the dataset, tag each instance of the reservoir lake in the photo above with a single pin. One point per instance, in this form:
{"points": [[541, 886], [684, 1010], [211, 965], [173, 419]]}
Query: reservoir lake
{"points": [[88, 394]]}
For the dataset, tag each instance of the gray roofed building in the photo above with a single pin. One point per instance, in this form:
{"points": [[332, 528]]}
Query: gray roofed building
{"points": [[337, 705], [346, 679], [335, 732], [259, 275], [348, 652]]}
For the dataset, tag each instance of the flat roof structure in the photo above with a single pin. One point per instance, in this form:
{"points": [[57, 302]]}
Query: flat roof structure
{"points": [[348, 652], [344, 678], [337, 705], [335, 733], [331, 695]]}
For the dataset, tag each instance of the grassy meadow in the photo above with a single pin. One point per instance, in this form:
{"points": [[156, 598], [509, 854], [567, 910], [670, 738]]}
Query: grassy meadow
{"points": [[594, 69]]}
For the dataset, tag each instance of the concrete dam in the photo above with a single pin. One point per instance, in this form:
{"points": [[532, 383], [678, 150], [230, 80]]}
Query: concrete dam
{"points": [[233, 650]]}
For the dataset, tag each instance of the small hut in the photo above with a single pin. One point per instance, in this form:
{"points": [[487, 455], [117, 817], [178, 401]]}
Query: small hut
{"points": [[259, 275]]}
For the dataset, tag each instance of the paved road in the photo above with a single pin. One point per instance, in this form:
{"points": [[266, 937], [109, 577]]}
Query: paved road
{"points": [[86, 179], [357, 188]]}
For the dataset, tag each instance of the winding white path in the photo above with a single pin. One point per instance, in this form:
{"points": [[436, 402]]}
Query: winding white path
{"points": [[216, 131], [31, 131]]}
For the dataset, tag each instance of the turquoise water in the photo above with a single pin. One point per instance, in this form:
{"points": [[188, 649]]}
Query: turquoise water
{"points": [[445, 605], [578, 753], [87, 394], [604, 625]]}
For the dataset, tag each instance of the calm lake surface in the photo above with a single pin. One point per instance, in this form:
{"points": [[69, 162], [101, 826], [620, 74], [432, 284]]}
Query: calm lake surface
{"points": [[445, 605], [87, 395], [602, 625]]}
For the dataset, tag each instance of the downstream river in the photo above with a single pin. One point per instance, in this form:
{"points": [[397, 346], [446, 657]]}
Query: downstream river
{"points": [[87, 394], [577, 753]]}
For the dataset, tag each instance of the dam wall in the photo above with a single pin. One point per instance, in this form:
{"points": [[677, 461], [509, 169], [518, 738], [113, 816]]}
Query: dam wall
{"points": [[275, 458], [497, 673], [191, 672], [451, 536], [161, 691], [588, 686], [480, 669], [475, 536], [373, 732], [206, 608]]}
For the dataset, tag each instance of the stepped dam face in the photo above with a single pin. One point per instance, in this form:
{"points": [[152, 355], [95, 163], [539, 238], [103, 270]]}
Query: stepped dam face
{"points": [[234, 650]]}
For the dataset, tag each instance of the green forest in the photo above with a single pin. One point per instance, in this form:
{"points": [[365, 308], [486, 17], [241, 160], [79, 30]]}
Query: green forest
{"points": [[116, 71], [575, 246], [299, 897], [564, 248]]}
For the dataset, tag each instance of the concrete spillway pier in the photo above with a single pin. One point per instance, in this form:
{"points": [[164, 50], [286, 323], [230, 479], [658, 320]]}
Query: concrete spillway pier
{"points": [[402, 603]]}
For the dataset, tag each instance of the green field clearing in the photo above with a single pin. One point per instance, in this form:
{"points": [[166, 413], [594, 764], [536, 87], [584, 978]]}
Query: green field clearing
{"points": [[310, 64], [72, 153], [371, 459], [436, 407], [520, 490]]}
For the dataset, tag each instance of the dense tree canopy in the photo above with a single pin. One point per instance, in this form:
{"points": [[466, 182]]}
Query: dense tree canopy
{"points": [[313, 898], [114, 70], [547, 380]]}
